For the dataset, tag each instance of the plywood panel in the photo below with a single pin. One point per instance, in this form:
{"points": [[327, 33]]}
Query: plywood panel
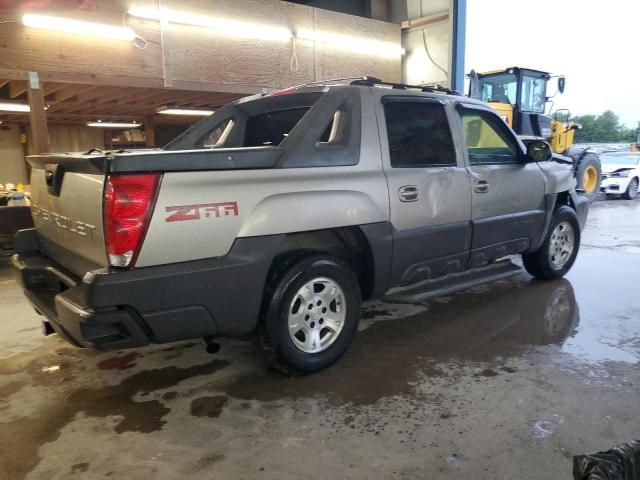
{"points": [[56, 52], [196, 54], [197, 58], [354, 56]]}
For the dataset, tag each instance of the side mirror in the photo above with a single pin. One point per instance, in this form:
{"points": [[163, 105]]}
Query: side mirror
{"points": [[561, 83], [474, 85], [539, 151]]}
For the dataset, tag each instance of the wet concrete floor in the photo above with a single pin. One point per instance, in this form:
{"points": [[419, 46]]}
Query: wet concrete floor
{"points": [[507, 380]]}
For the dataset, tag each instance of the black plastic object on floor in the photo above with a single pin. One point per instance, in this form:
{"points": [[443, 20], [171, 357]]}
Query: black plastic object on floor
{"points": [[622, 462]]}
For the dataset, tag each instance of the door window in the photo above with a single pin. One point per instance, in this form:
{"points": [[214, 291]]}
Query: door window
{"points": [[419, 134], [533, 96], [488, 139]]}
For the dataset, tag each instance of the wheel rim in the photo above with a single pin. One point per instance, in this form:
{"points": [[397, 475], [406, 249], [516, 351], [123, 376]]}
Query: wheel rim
{"points": [[561, 245], [633, 188], [556, 315], [316, 315], [590, 179]]}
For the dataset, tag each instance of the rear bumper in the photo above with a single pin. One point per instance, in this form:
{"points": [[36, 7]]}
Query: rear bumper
{"points": [[109, 309]]}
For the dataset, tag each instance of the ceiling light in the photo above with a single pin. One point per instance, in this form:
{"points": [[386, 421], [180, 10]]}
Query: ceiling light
{"points": [[102, 124], [14, 107], [77, 26], [258, 31], [185, 111]]}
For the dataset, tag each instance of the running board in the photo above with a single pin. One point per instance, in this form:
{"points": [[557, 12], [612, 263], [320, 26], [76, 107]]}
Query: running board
{"points": [[419, 292]]}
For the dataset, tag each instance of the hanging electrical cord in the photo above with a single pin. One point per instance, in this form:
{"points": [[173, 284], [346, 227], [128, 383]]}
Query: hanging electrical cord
{"points": [[293, 64], [426, 48]]}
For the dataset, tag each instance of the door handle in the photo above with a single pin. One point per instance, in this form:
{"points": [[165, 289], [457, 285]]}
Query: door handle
{"points": [[480, 186], [408, 193]]}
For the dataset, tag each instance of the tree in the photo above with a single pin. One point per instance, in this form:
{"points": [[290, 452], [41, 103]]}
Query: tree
{"points": [[602, 129]]}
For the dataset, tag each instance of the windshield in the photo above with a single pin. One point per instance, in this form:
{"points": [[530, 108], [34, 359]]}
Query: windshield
{"points": [[630, 160], [501, 87]]}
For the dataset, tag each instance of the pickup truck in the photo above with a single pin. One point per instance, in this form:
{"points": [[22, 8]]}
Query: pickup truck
{"points": [[275, 217]]}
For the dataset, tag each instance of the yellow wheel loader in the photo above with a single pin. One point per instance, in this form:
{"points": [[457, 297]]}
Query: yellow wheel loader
{"points": [[519, 95]]}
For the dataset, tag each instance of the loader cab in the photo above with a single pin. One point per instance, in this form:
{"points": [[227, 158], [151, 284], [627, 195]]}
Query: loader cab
{"points": [[519, 95]]}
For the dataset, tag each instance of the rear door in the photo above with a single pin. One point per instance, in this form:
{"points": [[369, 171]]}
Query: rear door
{"points": [[429, 189], [507, 192]]}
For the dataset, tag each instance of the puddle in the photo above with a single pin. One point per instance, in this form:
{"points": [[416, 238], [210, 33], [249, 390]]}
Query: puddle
{"points": [[392, 357], [112, 400], [122, 362], [208, 406]]}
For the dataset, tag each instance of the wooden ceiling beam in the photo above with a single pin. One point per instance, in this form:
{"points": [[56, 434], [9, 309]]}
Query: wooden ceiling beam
{"points": [[17, 88], [69, 92]]}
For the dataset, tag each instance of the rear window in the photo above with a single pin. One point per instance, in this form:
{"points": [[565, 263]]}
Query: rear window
{"points": [[270, 129]]}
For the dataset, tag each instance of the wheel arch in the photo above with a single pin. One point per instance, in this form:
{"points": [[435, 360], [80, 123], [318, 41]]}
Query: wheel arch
{"points": [[361, 247]]}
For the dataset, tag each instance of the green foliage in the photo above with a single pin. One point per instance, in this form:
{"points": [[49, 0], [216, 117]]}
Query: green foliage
{"points": [[602, 129]]}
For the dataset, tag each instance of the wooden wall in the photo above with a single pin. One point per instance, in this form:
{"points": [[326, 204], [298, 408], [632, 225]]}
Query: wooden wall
{"points": [[68, 138], [12, 166], [191, 57]]}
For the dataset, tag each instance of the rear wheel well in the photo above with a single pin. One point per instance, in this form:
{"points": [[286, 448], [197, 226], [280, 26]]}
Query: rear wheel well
{"points": [[346, 243]]}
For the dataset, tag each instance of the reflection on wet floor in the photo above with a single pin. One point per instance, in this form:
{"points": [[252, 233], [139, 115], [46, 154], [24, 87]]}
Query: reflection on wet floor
{"points": [[389, 357]]}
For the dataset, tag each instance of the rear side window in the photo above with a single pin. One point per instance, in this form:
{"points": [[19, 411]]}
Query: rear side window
{"points": [[419, 134], [270, 129]]}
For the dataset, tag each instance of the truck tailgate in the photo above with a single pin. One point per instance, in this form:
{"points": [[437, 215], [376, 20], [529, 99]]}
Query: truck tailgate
{"points": [[67, 203]]}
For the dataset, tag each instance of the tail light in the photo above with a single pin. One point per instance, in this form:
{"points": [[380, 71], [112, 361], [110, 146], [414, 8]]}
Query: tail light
{"points": [[128, 205]]}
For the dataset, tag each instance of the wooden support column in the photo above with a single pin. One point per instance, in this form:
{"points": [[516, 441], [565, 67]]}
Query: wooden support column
{"points": [[37, 115], [149, 131]]}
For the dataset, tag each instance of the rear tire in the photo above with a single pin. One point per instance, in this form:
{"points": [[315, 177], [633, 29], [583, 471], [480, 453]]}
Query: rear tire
{"points": [[588, 176], [310, 315], [559, 249], [632, 190]]}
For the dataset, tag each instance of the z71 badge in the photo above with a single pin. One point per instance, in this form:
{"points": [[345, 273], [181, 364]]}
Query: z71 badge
{"points": [[195, 212]]}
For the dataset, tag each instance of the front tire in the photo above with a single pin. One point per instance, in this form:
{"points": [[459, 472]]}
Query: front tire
{"points": [[310, 315], [588, 175], [559, 249], [632, 190]]}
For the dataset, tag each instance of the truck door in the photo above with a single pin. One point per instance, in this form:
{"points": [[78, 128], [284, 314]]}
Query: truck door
{"points": [[507, 192], [429, 189]]}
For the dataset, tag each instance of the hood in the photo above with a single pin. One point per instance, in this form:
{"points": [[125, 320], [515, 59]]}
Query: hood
{"points": [[612, 167]]}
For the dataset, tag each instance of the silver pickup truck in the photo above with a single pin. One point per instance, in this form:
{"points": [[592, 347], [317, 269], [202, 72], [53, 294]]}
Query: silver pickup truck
{"points": [[275, 217]]}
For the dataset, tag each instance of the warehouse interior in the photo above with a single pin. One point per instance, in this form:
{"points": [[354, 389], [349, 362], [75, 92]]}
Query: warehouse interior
{"points": [[512, 379], [181, 65]]}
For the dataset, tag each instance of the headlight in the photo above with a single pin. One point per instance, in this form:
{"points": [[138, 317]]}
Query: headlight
{"points": [[623, 173]]}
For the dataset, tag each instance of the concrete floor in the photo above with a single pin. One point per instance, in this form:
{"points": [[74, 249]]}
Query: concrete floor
{"points": [[508, 380]]}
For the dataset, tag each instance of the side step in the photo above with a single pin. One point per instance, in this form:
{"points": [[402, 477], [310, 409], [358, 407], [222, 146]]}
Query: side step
{"points": [[419, 292]]}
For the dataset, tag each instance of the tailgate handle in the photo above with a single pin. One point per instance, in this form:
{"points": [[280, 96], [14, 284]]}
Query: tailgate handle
{"points": [[53, 177]]}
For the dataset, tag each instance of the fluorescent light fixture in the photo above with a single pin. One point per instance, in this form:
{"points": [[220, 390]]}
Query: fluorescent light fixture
{"points": [[257, 31], [67, 25], [113, 124], [349, 43], [14, 107], [185, 111]]}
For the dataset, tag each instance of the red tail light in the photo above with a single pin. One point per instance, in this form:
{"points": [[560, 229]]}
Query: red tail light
{"points": [[128, 204]]}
